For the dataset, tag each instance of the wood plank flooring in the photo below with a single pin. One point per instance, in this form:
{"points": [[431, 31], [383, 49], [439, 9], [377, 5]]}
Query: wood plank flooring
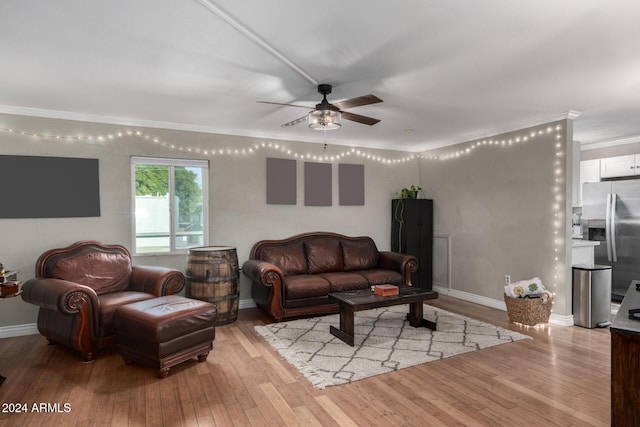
{"points": [[560, 378]]}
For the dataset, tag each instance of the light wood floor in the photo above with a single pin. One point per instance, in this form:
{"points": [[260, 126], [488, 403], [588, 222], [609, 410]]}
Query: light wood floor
{"points": [[560, 378]]}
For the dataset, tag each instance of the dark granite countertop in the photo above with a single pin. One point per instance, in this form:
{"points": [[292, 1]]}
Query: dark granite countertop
{"points": [[631, 300]]}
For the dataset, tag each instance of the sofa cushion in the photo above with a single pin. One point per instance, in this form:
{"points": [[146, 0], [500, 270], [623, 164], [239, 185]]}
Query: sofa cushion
{"points": [[380, 277], [345, 281], [305, 286], [360, 254], [307, 303], [289, 258], [324, 255], [101, 271]]}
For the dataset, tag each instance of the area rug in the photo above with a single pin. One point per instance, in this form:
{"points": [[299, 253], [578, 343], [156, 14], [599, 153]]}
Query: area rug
{"points": [[384, 342]]}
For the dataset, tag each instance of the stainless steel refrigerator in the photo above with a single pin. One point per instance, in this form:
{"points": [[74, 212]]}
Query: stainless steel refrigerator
{"points": [[611, 215]]}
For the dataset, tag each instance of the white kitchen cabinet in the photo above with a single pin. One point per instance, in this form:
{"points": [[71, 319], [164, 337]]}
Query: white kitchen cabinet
{"points": [[589, 172], [620, 166]]}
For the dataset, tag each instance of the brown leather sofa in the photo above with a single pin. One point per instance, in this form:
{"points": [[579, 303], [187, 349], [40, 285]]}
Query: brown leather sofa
{"points": [[79, 287], [292, 277]]}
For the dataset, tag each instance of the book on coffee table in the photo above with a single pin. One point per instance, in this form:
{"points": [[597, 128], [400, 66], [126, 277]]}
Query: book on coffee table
{"points": [[385, 290]]}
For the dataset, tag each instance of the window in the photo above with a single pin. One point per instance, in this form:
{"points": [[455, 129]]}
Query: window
{"points": [[170, 204]]}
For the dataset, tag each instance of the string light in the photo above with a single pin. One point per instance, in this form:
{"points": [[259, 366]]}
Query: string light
{"points": [[558, 195], [557, 205], [215, 152], [283, 149]]}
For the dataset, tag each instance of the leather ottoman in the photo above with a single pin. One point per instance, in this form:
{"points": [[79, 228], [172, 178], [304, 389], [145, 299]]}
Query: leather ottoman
{"points": [[165, 331]]}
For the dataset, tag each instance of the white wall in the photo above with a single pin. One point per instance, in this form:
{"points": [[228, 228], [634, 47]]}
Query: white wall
{"points": [[495, 204], [503, 207], [239, 215]]}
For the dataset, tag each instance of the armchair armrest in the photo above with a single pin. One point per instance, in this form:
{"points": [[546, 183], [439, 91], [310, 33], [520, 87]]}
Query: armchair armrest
{"points": [[68, 299], [59, 295], [158, 281], [402, 263]]}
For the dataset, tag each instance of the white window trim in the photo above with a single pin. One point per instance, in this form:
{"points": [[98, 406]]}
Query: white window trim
{"points": [[161, 161]]}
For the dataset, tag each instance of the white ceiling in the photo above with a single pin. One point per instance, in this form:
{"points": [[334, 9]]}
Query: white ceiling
{"points": [[449, 71]]}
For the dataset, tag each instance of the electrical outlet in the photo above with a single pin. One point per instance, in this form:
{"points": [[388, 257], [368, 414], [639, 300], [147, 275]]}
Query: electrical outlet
{"points": [[507, 279]]}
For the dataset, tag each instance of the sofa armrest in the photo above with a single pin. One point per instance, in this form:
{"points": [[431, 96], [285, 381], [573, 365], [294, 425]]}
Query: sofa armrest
{"points": [[402, 263], [158, 281], [263, 272], [267, 282], [59, 295]]}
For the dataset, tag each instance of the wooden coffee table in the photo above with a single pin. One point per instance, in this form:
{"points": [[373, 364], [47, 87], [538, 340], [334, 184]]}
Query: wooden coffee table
{"points": [[365, 299]]}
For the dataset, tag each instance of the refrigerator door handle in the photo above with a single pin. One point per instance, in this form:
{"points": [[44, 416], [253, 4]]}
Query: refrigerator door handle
{"points": [[607, 226], [612, 232]]}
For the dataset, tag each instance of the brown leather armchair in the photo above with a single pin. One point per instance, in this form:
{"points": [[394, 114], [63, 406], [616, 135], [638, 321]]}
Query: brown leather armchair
{"points": [[79, 287]]}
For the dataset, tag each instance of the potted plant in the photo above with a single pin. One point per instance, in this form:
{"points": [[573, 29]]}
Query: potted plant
{"points": [[411, 192], [398, 214]]}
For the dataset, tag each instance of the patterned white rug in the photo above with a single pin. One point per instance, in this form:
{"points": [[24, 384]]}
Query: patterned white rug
{"points": [[384, 342]]}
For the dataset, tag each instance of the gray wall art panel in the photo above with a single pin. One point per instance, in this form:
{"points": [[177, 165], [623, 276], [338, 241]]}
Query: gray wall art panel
{"points": [[351, 188], [281, 181], [317, 184]]}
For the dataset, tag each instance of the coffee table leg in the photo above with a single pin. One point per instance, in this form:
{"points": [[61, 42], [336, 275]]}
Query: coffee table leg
{"points": [[345, 333], [415, 317]]}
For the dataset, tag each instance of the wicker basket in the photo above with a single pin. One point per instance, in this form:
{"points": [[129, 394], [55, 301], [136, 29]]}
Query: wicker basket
{"points": [[528, 311]]}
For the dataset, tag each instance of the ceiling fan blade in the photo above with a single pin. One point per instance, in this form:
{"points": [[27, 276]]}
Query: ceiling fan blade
{"points": [[358, 118], [357, 102], [286, 105], [295, 122]]}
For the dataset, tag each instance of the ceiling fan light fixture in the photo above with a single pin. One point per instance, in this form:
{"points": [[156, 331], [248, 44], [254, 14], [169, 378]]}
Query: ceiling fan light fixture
{"points": [[325, 119]]}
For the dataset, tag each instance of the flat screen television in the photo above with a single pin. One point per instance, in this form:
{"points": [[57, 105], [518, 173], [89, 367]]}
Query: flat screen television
{"points": [[49, 187]]}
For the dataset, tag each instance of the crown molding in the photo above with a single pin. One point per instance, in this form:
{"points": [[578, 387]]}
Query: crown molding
{"points": [[317, 137], [112, 120], [569, 115], [123, 121], [573, 114], [609, 143]]}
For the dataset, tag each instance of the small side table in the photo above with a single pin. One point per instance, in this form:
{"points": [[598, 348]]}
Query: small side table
{"points": [[9, 276]]}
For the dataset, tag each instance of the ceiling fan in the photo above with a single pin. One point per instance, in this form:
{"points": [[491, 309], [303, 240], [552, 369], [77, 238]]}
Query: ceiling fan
{"points": [[326, 116]]}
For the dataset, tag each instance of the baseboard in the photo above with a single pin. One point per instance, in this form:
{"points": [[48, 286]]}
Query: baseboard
{"points": [[561, 319], [32, 328], [246, 303], [556, 319], [466, 296], [18, 330]]}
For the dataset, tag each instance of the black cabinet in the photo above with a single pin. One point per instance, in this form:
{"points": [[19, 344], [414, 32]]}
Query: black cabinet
{"points": [[412, 233]]}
